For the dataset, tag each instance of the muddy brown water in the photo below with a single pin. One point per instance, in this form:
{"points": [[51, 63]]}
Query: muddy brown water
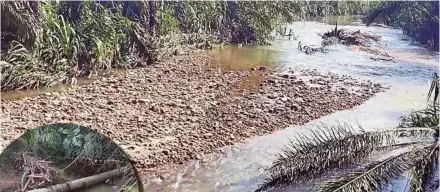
{"points": [[226, 58], [233, 58], [18, 94], [241, 167], [14, 95]]}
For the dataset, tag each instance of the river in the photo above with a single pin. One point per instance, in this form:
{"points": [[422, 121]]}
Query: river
{"points": [[240, 167]]}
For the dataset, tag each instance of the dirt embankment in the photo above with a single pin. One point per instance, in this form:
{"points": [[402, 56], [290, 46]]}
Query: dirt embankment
{"points": [[181, 109]]}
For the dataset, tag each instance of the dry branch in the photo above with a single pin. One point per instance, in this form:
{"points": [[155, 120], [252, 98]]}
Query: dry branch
{"points": [[84, 182]]}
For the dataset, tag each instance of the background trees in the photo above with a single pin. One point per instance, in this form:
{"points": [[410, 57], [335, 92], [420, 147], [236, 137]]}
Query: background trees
{"points": [[46, 43]]}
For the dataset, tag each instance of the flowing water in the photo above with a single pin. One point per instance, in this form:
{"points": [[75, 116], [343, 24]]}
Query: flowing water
{"points": [[240, 167]]}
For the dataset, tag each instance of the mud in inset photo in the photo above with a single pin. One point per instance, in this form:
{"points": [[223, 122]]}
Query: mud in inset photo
{"points": [[66, 157]]}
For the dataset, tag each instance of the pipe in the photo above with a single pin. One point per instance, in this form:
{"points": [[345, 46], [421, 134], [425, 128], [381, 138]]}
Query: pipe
{"points": [[83, 182]]}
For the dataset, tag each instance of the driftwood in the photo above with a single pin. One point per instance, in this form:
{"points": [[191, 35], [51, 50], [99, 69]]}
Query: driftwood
{"points": [[356, 38], [382, 59], [350, 37], [84, 182], [283, 33], [310, 50], [37, 172]]}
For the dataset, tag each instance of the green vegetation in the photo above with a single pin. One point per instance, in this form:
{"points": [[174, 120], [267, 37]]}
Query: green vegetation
{"points": [[57, 153], [47, 43], [418, 19], [338, 147]]}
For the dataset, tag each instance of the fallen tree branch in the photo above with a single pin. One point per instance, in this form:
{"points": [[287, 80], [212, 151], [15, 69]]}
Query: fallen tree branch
{"points": [[83, 182]]}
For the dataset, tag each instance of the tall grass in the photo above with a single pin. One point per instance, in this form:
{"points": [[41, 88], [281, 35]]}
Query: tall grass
{"points": [[48, 43], [64, 50]]}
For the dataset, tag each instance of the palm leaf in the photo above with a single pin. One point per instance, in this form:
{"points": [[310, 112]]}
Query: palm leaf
{"points": [[326, 149], [425, 170], [373, 176], [21, 20], [434, 88], [421, 118], [329, 148]]}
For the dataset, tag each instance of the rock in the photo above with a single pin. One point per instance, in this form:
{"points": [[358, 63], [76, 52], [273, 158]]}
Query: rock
{"points": [[272, 96], [263, 68], [295, 107], [141, 64], [272, 81], [155, 108], [143, 100]]}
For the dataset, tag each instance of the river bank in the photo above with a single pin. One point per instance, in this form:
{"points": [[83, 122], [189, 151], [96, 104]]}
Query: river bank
{"points": [[182, 108]]}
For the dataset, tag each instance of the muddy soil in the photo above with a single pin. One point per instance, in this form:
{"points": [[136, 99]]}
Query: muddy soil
{"points": [[181, 109]]}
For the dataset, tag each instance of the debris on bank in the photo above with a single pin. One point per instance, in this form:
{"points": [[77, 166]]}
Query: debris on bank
{"points": [[310, 49], [357, 38], [347, 37]]}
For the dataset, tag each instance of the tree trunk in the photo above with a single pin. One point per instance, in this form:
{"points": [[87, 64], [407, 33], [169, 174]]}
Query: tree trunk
{"points": [[152, 17], [84, 182]]}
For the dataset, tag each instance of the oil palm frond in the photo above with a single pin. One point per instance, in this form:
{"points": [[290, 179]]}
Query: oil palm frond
{"points": [[333, 147], [435, 87], [422, 161], [20, 20], [373, 176], [424, 176], [421, 118]]}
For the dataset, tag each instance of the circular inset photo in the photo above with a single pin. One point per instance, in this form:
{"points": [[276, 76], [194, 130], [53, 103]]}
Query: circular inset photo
{"points": [[66, 157]]}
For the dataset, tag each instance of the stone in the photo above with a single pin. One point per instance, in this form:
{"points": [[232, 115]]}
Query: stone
{"points": [[272, 81], [143, 100]]}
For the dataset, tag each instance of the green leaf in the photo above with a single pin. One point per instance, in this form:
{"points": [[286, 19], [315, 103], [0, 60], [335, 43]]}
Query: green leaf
{"points": [[372, 177]]}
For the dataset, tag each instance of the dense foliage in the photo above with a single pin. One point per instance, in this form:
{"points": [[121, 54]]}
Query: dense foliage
{"points": [[65, 142], [47, 43], [419, 19], [56, 153]]}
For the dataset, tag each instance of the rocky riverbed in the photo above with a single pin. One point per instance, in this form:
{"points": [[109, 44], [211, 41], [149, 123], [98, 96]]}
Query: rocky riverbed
{"points": [[182, 108]]}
